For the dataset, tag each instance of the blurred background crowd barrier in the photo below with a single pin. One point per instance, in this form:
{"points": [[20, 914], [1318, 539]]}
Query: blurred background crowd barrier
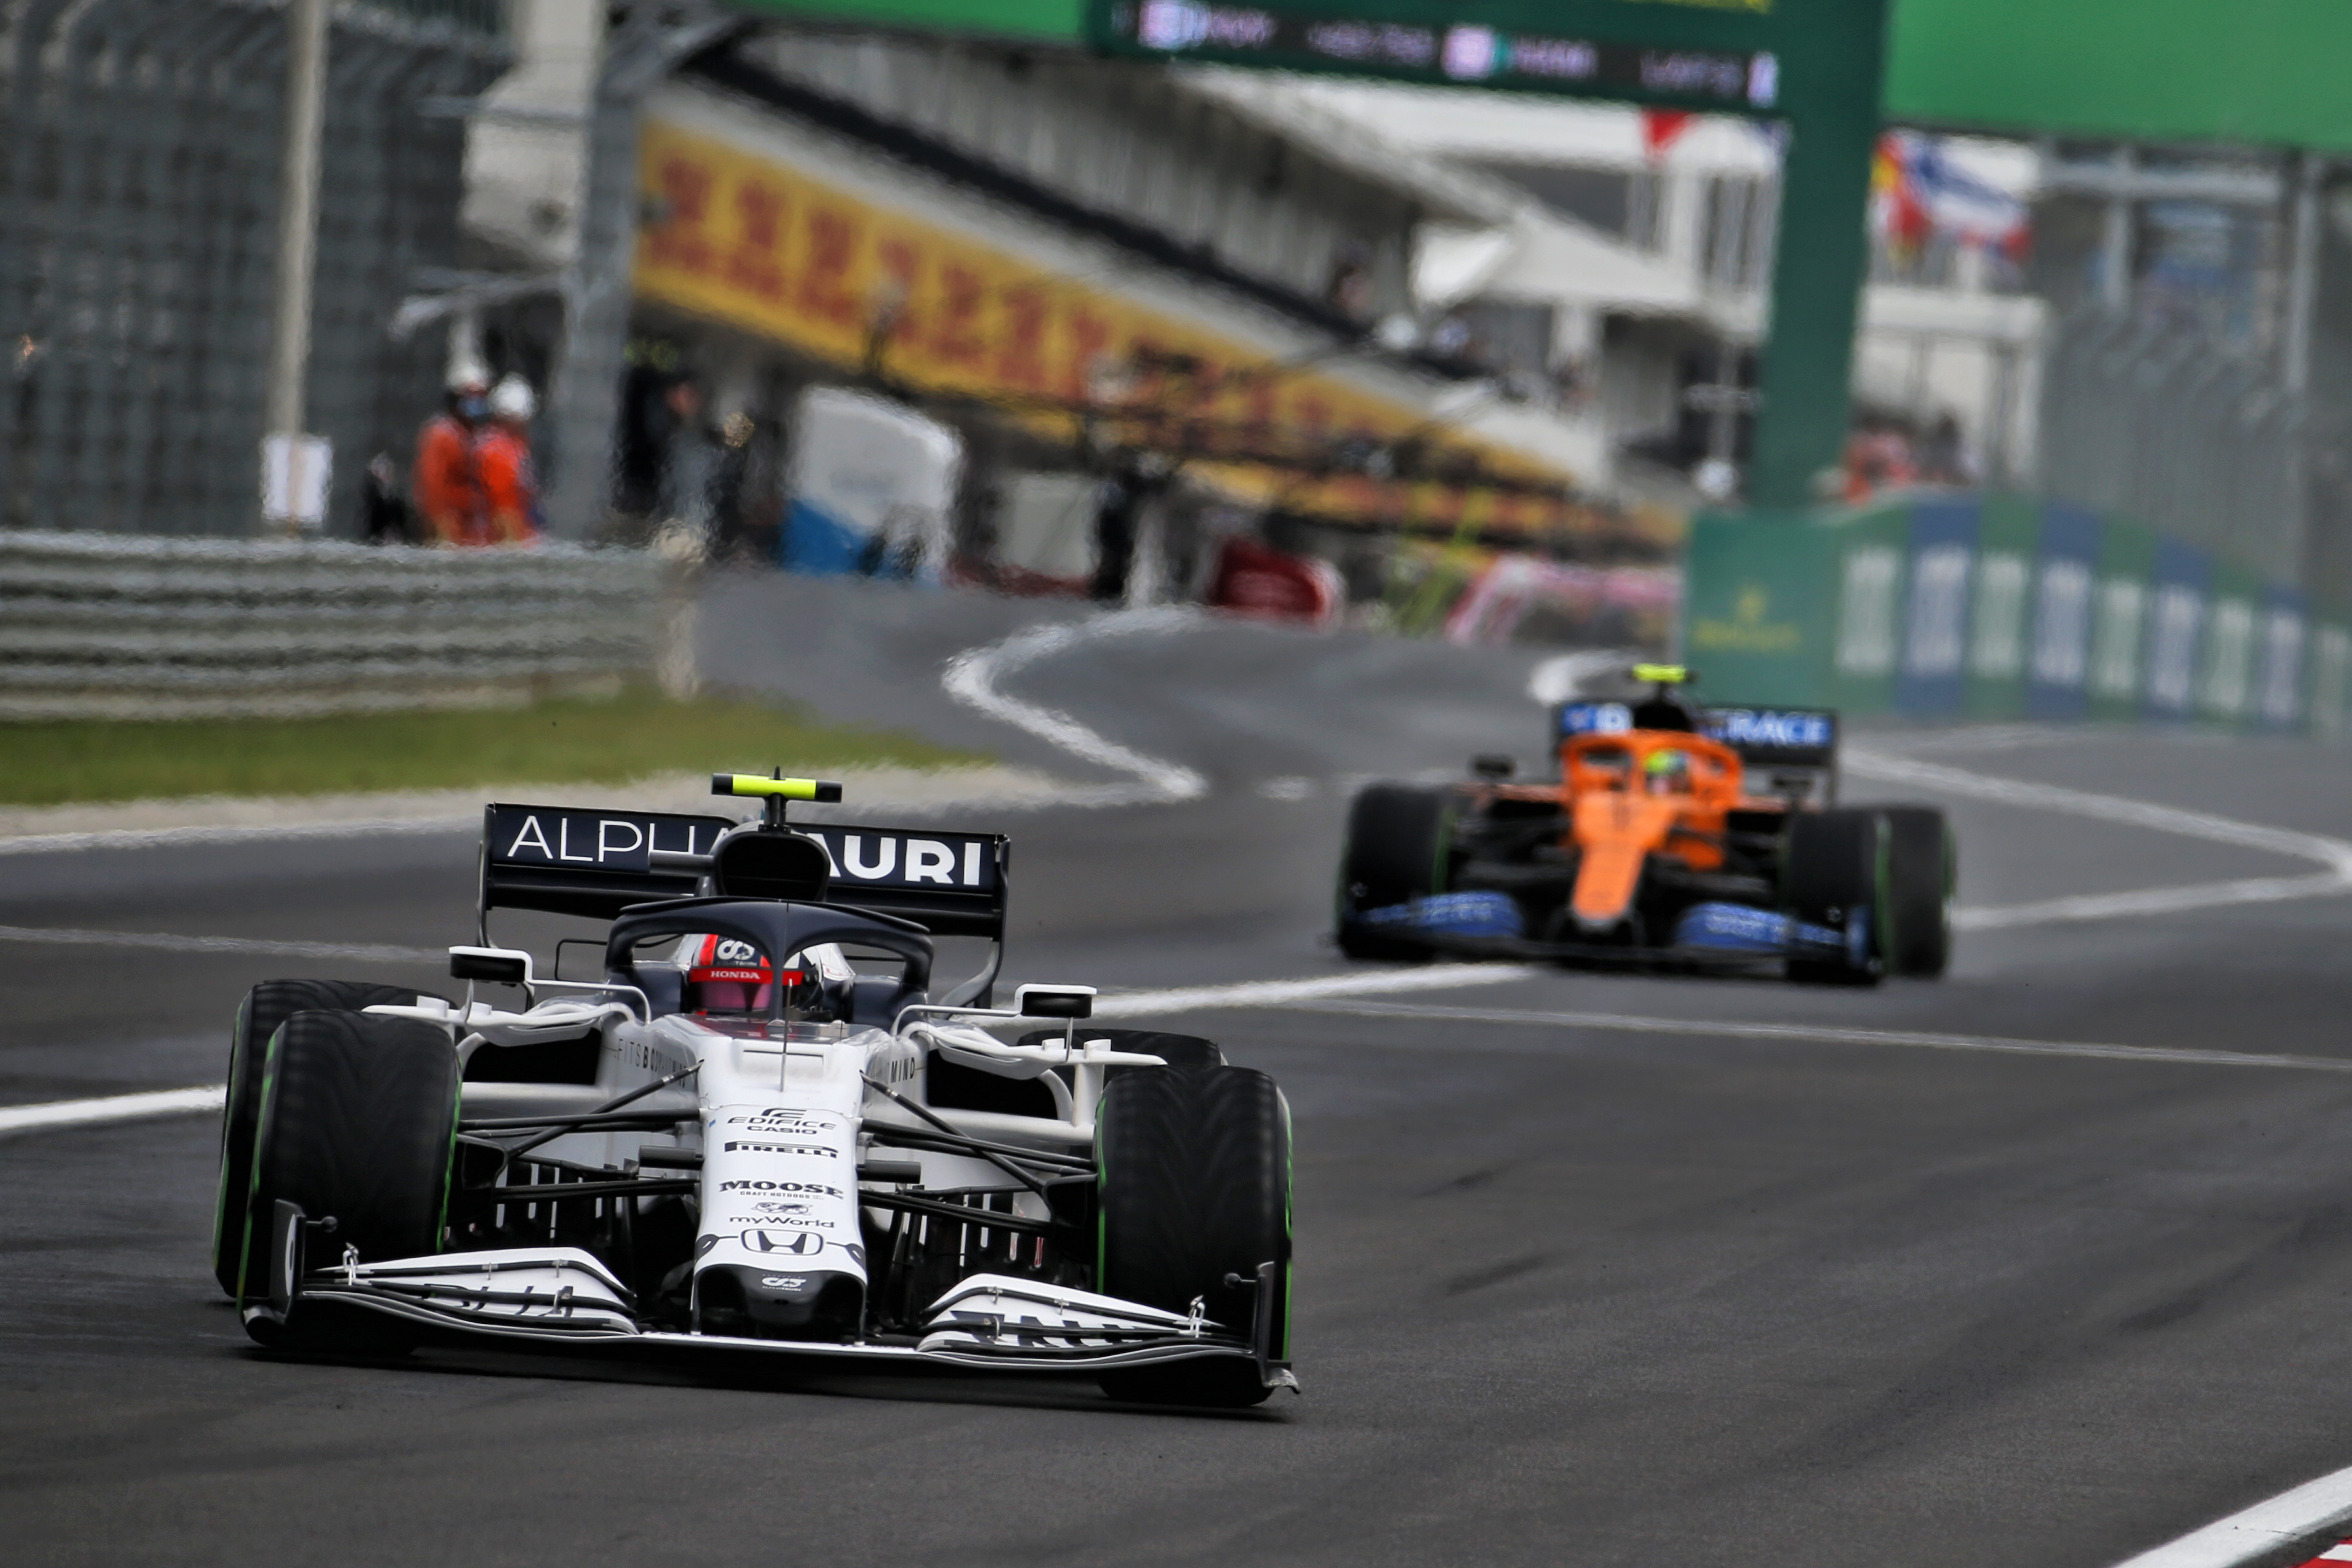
{"points": [[2003, 607], [94, 626]]}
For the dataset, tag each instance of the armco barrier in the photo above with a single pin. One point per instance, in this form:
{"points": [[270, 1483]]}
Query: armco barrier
{"points": [[2001, 607], [110, 626]]}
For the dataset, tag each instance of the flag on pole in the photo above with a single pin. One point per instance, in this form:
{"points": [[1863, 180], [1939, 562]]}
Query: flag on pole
{"points": [[1918, 190]]}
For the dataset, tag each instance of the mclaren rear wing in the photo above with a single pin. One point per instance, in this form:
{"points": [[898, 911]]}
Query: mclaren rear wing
{"points": [[594, 863], [1795, 748]]}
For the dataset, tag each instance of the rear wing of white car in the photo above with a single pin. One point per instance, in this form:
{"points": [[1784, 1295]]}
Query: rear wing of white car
{"points": [[597, 862]]}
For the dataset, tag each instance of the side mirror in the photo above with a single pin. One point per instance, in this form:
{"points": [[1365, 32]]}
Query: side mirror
{"points": [[498, 966], [1493, 766], [1054, 1001]]}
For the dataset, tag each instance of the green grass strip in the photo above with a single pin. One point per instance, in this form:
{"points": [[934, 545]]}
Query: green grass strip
{"points": [[561, 740]]}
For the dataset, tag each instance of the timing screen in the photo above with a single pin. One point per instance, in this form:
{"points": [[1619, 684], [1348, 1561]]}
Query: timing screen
{"points": [[1461, 52]]}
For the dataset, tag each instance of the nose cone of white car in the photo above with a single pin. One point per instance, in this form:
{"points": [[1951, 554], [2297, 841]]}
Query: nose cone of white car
{"points": [[782, 1255], [780, 1303]]}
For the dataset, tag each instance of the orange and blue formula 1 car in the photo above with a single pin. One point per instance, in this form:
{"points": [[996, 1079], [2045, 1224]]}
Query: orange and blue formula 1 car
{"points": [[1674, 837]]}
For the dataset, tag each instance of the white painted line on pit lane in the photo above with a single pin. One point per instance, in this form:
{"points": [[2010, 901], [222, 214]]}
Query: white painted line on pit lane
{"points": [[1291, 992], [239, 833], [112, 1107], [1818, 1034], [971, 676], [2256, 1531], [168, 942]]}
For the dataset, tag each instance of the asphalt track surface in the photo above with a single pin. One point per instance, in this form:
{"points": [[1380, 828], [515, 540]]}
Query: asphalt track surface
{"points": [[1583, 1291]]}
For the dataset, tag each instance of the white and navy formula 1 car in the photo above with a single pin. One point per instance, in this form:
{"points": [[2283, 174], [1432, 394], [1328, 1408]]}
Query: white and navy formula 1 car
{"points": [[757, 1131]]}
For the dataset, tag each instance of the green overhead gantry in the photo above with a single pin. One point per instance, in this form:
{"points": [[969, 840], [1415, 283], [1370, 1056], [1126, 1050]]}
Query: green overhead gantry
{"points": [[1812, 65], [2253, 73]]}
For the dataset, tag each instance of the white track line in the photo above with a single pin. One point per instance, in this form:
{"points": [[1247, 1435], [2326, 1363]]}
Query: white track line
{"points": [[1329, 994], [1564, 677], [167, 941], [1249, 993], [113, 1108], [2151, 901], [239, 833], [1291, 992], [1821, 1034], [971, 676], [2259, 1531], [2335, 853]]}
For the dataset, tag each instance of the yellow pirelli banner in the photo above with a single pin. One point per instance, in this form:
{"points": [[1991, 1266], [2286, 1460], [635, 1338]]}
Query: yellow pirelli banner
{"points": [[762, 245]]}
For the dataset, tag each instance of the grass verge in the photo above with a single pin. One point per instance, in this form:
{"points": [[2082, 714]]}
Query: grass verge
{"points": [[561, 740]]}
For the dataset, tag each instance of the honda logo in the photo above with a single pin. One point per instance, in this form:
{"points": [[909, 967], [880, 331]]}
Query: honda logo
{"points": [[782, 1241]]}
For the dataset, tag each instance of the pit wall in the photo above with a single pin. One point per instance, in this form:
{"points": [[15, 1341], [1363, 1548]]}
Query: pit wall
{"points": [[2000, 608]]}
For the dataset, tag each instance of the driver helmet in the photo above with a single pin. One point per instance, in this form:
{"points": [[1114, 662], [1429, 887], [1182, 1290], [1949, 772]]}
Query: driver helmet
{"points": [[1666, 772], [725, 974]]}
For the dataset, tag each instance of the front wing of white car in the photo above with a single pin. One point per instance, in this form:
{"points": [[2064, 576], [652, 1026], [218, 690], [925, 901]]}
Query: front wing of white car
{"points": [[561, 1295]]}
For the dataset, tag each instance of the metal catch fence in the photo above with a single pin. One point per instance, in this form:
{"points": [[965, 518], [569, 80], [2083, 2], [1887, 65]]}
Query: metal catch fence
{"points": [[139, 145], [2165, 426]]}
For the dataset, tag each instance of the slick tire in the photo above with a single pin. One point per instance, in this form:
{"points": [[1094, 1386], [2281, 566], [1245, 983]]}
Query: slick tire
{"points": [[1195, 1187], [1922, 865], [265, 1008], [1835, 867], [1399, 846], [358, 1123]]}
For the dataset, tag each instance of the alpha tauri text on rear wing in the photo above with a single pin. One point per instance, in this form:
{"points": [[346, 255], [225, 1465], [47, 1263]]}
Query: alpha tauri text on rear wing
{"points": [[951, 884], [595, 863]]}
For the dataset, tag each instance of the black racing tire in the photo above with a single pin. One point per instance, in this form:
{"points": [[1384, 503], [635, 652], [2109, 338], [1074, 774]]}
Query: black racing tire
{"points": [[1194, 1185], [358, 1123], [1834, 865], [1399, 846], [265, 1008], [1922, 874]]}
